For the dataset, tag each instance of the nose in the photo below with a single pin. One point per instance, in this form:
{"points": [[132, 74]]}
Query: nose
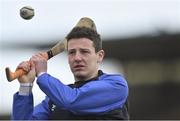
{"points": [[78, 56]]}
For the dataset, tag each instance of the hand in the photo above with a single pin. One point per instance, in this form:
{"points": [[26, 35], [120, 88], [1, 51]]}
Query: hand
{"points": [[40, 62], [30, 69]]}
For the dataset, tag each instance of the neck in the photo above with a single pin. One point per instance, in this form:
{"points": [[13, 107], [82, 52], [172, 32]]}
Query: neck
{"points": [[86, 78]]}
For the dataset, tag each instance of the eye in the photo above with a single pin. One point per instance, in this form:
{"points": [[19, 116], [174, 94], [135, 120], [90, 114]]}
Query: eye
{"points": [[71, 52], [85, 51]]}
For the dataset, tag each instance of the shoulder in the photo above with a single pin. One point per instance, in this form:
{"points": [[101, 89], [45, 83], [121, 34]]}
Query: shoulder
{"points": [[112, 76], [117, 78]]}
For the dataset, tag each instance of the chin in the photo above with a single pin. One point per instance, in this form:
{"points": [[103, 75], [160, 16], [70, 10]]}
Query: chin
{"points": [[79, 74]]}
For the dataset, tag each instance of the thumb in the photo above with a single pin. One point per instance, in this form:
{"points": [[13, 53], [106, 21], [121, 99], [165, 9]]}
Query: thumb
{"points": [[32, 64], [32, 71]]}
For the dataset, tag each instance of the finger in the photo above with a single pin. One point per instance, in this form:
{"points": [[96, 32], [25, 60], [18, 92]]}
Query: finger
{"points": [[34, 58], [37, 58], [21, 64], [44, 55], [32, 72], [25, 65], [40, 56], [31, 64]]}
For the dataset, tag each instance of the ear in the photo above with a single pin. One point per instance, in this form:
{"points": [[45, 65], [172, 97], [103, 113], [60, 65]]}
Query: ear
{"points": [[100, 55]]}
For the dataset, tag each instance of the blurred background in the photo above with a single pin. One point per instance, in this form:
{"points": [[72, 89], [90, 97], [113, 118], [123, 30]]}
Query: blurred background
{"points": [[141, 39]]}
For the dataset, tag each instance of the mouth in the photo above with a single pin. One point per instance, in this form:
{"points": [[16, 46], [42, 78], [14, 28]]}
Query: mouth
{"points": [[78, 67]]}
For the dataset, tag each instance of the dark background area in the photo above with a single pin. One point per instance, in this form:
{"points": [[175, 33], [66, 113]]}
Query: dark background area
{"points": [[156, 101]]}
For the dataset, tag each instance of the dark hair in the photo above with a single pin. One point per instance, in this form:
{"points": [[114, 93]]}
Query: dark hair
{"points": [[80, 32]]}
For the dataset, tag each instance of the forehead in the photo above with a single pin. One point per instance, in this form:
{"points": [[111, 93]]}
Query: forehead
{"points": [[80, 43]]}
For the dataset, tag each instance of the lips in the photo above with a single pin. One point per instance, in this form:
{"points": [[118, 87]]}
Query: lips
{"points": [[78, 67]]}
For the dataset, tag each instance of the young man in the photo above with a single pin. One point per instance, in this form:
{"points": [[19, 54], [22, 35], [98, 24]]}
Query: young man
{"points": [[94, 95]]}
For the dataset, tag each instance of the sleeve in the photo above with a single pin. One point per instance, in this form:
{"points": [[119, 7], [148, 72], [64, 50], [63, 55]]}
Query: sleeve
{"points": [[94, 97], [23, 108]]}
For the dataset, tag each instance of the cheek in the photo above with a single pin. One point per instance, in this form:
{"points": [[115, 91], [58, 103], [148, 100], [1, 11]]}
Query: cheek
{"points": [[93, 60], [69, 60]]}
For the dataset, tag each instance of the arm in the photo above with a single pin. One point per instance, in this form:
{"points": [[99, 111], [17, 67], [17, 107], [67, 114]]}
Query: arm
{"points": [[23, 100], [94, 97], [23, 108]]}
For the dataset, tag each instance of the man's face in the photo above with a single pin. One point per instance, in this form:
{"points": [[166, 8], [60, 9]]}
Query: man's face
{"points": [[83, 59]]}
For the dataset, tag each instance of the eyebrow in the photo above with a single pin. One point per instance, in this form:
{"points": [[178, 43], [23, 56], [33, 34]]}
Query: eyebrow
{"points": [[80, 49]]}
